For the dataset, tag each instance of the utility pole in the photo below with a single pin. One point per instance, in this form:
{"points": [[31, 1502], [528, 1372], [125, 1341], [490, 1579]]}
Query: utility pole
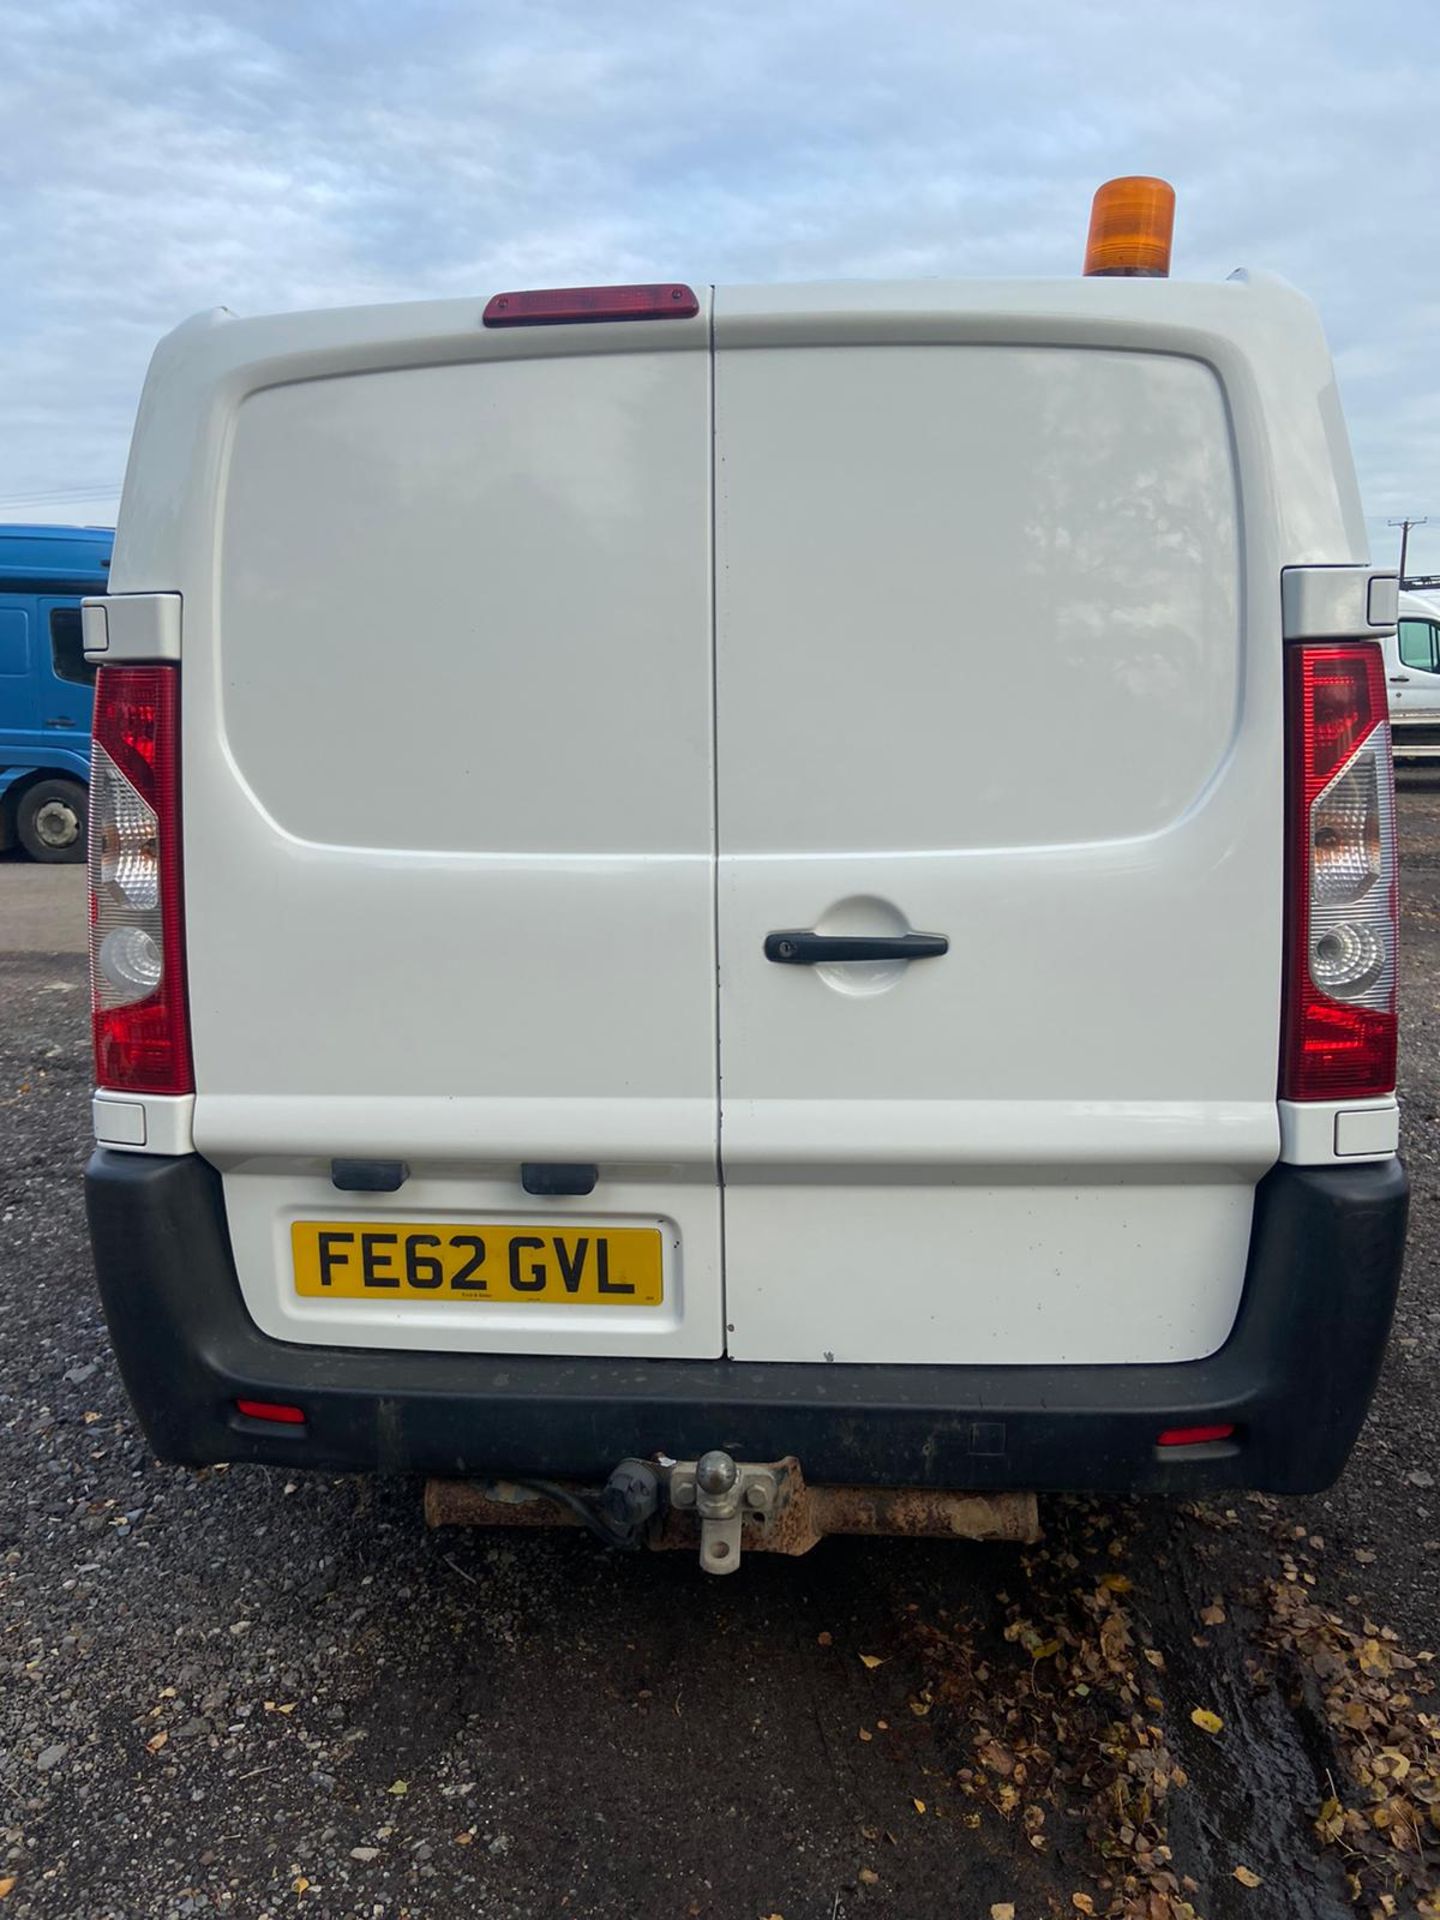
{"points": [[1405, 526]]}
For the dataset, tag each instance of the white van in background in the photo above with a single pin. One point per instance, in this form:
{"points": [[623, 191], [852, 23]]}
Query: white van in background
{"points": [[595, 973], [1412, 673]]}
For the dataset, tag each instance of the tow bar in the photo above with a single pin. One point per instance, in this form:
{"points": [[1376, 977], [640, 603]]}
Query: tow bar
{"points": [[728, 1507]]}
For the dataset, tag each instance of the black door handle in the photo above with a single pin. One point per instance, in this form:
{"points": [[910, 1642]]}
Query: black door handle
{"points": [[803, 949]]}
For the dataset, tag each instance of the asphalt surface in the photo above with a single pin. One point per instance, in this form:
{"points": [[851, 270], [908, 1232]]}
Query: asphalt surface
{"points": [[42, 909], [231, 1693]]}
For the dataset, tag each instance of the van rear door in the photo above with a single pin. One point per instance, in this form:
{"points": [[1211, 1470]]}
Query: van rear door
{"points": [[449, 818], [982, 673]]}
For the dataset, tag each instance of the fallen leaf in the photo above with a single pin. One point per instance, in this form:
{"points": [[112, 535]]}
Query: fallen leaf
{"points": [[1155, 1657], [300, 1885], [1206, 1721], [1214, 1614], [156, 1741], [871, 1660], [1330, 1823], [919, 1805], [868, 1877], [7, 1886], [1113, 1583], [398, 1786], [825, 1639], [883, 1725], [167, 1693], [1083, 1902], [1045, 1651], [1003, 1910], [1247, 1878], [89, 1419], [464, 1839], [865, 1734], [920, 1708]]}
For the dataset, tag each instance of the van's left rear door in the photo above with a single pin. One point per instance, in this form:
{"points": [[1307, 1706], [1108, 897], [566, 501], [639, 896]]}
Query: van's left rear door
{"points": [[449, 834]]}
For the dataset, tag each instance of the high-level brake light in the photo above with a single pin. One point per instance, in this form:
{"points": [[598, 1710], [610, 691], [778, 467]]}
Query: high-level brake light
{"points": [[1132, 222], [564, 306], [1340, 1022], [137, 950]]}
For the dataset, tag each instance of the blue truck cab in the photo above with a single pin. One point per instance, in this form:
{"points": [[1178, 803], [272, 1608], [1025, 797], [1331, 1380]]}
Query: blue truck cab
{"points": [[46, 688]]}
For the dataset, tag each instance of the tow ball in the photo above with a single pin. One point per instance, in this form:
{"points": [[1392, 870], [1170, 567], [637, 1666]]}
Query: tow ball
{"points": [[727, 1507], [722, 1491]]}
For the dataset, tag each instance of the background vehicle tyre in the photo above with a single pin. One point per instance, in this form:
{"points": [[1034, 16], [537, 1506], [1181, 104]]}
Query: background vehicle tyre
{"points": [[50, 821]]}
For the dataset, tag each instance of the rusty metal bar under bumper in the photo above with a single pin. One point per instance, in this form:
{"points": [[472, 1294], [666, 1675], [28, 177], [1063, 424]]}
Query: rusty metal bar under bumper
{"points": [[805, 1517]]}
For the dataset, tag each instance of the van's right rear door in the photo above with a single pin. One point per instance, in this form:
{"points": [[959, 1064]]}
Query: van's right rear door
{"points": [[983, 673]]}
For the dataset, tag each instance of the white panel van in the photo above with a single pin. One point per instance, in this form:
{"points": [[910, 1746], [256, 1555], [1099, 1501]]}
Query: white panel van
{"points": [[1412, 668], [593, 962]]}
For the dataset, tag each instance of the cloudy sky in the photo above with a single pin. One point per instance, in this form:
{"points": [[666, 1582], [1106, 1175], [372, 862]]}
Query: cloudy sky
{"points": [[157, 158]]}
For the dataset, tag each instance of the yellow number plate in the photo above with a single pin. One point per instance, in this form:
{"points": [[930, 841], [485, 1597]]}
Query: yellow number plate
{"points": [[390, 1260]]}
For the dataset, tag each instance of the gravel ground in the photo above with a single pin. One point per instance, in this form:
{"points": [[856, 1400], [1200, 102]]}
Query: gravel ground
{"points": [[228, 1693]]}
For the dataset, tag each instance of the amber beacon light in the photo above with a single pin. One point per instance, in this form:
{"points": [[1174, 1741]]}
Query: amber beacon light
{"points": [[1131, 223]]}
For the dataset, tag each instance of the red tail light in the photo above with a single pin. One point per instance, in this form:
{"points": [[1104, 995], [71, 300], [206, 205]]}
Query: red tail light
{"points": [[1339, 1024], [137, 941]]}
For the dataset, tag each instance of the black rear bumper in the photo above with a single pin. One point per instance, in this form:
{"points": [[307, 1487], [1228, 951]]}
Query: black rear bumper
{"points": [[1295, 1377]]}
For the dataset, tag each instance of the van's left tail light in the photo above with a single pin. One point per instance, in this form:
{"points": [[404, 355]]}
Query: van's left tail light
{"points": [[1340, 1022], [137, 942]]}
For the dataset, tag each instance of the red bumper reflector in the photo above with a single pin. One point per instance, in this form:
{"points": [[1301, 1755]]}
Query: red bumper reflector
{"points": [[271, 1410], [1194, 1436], [563, 306]]}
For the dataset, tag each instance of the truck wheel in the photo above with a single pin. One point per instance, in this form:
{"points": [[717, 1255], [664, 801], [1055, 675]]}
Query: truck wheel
{"points": [[50, 821]]}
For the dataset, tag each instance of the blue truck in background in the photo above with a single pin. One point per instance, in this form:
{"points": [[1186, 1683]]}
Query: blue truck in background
{"points": [[47, 690]]}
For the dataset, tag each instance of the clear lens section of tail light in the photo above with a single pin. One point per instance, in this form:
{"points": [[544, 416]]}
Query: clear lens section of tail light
{"points": [[127, 937], [1352, 880]]}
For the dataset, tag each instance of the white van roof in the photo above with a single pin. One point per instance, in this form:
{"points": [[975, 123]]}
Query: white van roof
{"points": [[1262, 338]]}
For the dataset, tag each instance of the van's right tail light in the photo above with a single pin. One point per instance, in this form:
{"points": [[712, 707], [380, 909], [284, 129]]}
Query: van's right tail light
{"points": [[137, 957], [1340, 1022]]}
